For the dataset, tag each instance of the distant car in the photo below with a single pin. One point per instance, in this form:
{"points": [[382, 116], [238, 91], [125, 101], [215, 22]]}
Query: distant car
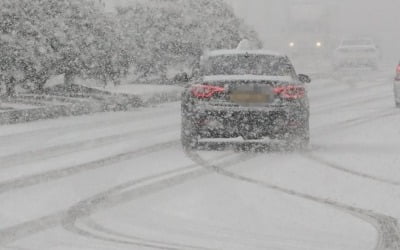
{"points": [[397, 86], [246, 95], [355, 53], [303, 46]]}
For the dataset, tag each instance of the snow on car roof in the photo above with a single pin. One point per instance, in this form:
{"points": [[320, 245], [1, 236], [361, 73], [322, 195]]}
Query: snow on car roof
{"points": [[247, 78], [242, 52], [357, 42]]}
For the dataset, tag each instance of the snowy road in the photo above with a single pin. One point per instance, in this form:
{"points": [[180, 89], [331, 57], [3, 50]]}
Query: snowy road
{"points": [[122, 181]]}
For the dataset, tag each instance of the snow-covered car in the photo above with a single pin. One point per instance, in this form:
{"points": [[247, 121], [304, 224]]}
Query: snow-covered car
{"points": [[355, 53], [397, 86], [245, 96]]}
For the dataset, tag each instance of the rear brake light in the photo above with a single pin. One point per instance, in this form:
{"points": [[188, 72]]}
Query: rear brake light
{"points": [[398, 72], [205, 91], [290, 92]]}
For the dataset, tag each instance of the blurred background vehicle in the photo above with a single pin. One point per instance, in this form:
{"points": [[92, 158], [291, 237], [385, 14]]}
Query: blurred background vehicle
{"points": [[308, 34], [397, 86], [356, 52], [308, 28]]}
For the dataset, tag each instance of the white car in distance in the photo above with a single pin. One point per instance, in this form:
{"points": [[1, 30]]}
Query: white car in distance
{"points": [[359, 52], [397, 86]]}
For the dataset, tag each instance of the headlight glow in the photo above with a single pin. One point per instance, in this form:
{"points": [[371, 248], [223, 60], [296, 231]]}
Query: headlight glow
{"points": [[318, 44], [291, 44]]}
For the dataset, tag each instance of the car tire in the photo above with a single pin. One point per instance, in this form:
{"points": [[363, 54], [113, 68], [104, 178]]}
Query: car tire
{"points": [[189, 134], [299, 138], [304, 143], [297, 143]]}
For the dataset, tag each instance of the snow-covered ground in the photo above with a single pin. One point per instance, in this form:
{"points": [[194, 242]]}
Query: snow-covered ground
{"points": [[122, 181], [13, 106], [149, 93]]}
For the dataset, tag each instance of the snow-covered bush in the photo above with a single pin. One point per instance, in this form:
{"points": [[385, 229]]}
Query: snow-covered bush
{"points": [[42, 38]]}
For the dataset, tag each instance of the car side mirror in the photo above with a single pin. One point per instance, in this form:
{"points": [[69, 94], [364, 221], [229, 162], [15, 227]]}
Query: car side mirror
{"points": [[304, 78], [182, 78]]}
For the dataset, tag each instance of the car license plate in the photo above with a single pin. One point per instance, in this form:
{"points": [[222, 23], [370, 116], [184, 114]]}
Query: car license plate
{"points": [[248, 97]]}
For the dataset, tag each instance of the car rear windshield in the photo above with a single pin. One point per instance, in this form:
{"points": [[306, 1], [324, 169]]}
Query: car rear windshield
{"points": [[247, 65], [357, 42]]}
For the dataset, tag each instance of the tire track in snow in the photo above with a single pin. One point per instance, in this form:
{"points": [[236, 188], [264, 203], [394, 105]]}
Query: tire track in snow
{"points": [[120, 194], [349, 124], [386, 226], [347, 90], [59, 150], [314, 158], [14, 233], [26, 229], [105, 234], [354, 122], [52, 175], [100, 228], [16, 248], [340, 105]]}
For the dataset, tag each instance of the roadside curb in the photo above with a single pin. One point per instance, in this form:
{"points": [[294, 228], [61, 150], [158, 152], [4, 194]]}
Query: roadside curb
{"points": [[68, 106]]}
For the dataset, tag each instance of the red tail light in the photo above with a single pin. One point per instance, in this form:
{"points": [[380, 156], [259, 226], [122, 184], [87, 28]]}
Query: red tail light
{"points": [[398, 72], [290, 92], [205, 91]]}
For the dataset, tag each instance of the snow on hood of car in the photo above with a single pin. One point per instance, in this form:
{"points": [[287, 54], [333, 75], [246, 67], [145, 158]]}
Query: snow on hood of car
{"points": [[217, 78]]}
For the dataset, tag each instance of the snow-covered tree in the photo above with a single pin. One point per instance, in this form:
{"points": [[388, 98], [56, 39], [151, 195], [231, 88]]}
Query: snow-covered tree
{"points": [[41, 38], [163, 33]]}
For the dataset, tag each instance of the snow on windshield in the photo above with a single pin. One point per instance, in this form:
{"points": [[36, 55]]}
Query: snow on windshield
{"points": [[247, 65]]}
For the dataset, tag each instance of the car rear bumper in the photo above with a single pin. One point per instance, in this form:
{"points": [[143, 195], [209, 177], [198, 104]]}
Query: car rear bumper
{"points": [[248, 122], [355, 61]]}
